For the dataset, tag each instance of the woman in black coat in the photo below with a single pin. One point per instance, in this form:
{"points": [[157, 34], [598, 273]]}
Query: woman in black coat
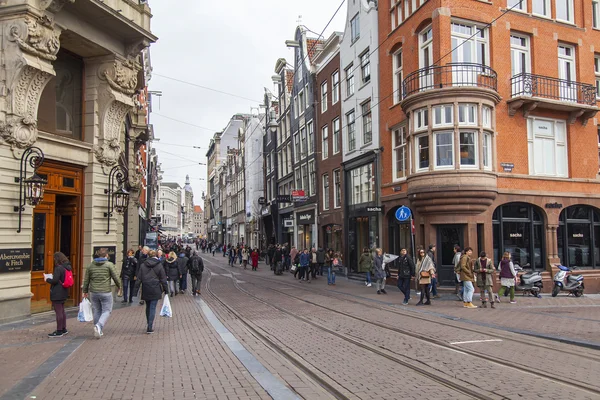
{"points": [[153, 279], [58, 293]]}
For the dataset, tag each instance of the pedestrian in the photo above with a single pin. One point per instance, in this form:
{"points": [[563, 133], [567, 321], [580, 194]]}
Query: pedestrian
{"points": [[245, 256], [426, 270], [406, 270], [195, 267], [254, 258], [240, 253], [459, 289], [172, 271], [59, 293], [467, 278], [507, 277], [304, 266], [336, 262], [277, 257], [271, 256], [293, 253], [130, 265], [379, 269], [182, 266], [484, 268], [96, 285], [224, 249], [434, 281], [365, 265], [313, 263], [143, 256], [321, 256], [153, 281]]}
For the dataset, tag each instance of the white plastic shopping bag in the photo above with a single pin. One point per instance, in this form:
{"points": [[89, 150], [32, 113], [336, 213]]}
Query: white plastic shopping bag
{"points": [[85, 311], [165, 310]]}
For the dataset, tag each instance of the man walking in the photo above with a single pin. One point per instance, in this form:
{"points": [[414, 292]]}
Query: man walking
{"points": [[406, 270], [195, 266], [466, 276], [320, 260], [456, 261], [182, 266], [96, 285]]}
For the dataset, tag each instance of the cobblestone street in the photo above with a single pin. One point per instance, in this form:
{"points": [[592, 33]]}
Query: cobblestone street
{"points": [[254, 335]]}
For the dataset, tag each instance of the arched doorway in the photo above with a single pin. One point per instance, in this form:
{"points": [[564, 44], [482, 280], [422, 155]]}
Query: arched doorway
{"points": [[519, 229], [578, 237]]}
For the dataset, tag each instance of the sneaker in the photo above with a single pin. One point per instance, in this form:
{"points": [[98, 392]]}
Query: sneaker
{"points": [[405, 303], [379, 292], [459, 296], [497, 298], [513, 302], [366, 283], [149, 331], [427, 303], [465, 304], [369, 285], [470, 305], [97, 331], [383, 291], [55, 334], [65, 332]]}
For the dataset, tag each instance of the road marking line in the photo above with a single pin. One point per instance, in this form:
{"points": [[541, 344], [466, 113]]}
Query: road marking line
{"points": [[477, 341]]}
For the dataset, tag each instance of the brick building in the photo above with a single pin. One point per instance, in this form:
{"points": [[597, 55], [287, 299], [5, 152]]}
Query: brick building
{"points": [[329, 145], [490, 129]]}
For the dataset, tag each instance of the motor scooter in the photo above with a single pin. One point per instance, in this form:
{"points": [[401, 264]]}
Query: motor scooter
{"points": [[529, 282], [565, 281]]}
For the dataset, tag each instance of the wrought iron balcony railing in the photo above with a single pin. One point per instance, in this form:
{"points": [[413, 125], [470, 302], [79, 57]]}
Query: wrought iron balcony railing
{"points": [[450, 75], [532, 85]]}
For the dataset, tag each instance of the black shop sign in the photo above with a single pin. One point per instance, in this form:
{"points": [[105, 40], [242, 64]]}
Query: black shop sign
{"points": [[112, 252], [15, 260], [305, 217]]}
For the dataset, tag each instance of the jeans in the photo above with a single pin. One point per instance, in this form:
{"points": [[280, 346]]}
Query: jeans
{"points": [[381, 284], [368, 276], [433, 286], [150, 312], [321, 266], [173, 287], [61, 316], [404, 286], [128, 285], [330, 276], [102, 304], [183, 282], [196, 282], [468, 293]]}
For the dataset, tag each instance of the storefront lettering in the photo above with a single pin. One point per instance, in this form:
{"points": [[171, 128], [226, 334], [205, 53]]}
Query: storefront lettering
{"points": [[516, 235], [578, 235], [507, 167], [15, 260], [305, 218], [553, 205]]}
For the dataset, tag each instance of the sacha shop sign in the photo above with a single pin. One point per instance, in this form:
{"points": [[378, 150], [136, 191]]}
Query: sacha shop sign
{"points": [[15, 260], [305, 217]]}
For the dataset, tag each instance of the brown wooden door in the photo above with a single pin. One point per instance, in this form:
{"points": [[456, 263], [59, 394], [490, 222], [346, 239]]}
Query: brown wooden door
{"points": [[67, 237], [43, 251]]}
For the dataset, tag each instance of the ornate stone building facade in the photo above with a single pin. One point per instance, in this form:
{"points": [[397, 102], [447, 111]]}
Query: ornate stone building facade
{"points": [[68, 86]]}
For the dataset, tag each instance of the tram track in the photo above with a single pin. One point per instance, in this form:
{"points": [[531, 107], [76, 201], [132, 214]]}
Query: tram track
{"points": [[459, 387], [579, 385]]}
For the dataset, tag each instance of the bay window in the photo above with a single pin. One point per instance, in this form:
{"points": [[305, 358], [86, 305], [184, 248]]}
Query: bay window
{"points": [[422, 152], [444, 146], [467, 114], [468, 149], [487, 151], [442, 115], [421, 118]]}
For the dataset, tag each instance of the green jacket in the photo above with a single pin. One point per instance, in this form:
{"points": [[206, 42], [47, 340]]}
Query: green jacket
{"points": [[365, 264], [98, 275]]}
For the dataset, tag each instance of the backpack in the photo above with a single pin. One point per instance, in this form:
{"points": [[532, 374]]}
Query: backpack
{"points": [[195, 267], [68, 279]]}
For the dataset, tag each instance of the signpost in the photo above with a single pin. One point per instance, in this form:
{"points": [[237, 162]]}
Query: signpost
{"points": [[403, 214]]}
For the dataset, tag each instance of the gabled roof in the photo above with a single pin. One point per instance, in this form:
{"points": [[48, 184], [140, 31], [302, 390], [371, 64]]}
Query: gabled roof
{"points": [[289, 80], [197, 209], [314, 47]]}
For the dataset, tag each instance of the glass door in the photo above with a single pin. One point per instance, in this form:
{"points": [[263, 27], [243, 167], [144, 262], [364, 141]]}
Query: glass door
{"points": [[426, 59], [566, 73], [448, 237]]}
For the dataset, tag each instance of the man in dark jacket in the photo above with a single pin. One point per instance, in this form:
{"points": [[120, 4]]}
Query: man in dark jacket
{"points": [[182, 262], [270, 256], [406, 270], [143, 255], [128, 271], [320, 260], [195, 266], [153, 280], [277, 258]]}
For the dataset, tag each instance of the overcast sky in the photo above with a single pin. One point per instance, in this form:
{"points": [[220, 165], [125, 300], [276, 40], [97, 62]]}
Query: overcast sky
{"points": [[228, 46]]}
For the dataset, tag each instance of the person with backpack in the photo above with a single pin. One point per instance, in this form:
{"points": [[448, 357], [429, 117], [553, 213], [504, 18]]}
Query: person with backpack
{"points": [[182, 266], [96, 285], [195, 267], [406, 270], [128, 275], [61, 281], [153, 280]]}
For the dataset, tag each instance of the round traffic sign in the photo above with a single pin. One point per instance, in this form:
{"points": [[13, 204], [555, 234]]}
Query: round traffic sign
{"points": [[403, 213]]}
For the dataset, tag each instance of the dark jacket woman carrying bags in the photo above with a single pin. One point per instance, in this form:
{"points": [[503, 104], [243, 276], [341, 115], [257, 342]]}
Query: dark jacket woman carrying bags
{"points": [[58, 293], [153, 279]]}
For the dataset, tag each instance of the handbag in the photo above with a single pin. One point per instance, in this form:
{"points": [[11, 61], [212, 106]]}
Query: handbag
{"points": [[425, 274], [293, 268]]}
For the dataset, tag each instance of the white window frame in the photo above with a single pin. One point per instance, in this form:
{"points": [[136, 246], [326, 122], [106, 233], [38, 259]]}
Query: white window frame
{"points": [[421, 117], [323, 97], [418, 168], [337, 188], [545, 4], [397, 65], [435, 149], [486, 117], [477, 37], [355, 28], [325, 186], [475, 164], [336, 135], [301, 101], [486, 150], [399, 147], [297, 147], [324, 142], [303, 143], [365, 67], [444, 120], [350, 84], [517, 5], [597, 73], [463, 112], [351, 130], [569, 8], [596, 14], [312, 178], [306, 99], [335, 86], [518, 50], [559, 146]]}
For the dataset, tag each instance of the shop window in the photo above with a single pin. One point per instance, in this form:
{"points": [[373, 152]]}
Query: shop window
{"points": [[421, 118], [61, 103], [578, 237], [518, 228]]}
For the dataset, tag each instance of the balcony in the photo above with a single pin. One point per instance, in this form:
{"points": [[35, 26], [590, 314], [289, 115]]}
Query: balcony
{"points": [[530, 91], [450, 80]]}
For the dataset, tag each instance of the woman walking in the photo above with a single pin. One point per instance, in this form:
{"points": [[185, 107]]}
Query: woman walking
{"points": [[380, 274], [254, 257], [172, 271], [365, 264], [245, 256], [426, 271], [59, 293], [153, 279], [507, 277]]}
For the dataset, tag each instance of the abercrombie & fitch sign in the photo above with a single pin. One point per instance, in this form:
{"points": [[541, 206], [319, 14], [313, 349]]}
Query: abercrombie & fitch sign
{"points": [[305, 217]]}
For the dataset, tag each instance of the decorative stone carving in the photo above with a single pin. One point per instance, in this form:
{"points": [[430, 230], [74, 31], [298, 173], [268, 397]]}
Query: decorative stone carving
{"points": [[121, 76], [36, 36], [54, 6], [108, 152], [19, 132], [134, 49]]}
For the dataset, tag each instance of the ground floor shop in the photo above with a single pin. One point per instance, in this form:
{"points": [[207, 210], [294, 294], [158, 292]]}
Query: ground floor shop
{"points": [[306, 228], [285, 227], [539, 232]]}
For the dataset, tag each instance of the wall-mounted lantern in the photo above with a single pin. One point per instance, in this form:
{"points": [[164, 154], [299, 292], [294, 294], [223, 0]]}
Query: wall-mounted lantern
{"points": [[31, 190], [118, 199]]}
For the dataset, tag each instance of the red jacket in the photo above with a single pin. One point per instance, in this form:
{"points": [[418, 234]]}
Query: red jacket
{"points": [[254, 257]]}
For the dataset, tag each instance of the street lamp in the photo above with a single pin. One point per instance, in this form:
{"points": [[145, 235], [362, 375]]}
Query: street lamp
{"points": [[31, 190], [118, 200]]}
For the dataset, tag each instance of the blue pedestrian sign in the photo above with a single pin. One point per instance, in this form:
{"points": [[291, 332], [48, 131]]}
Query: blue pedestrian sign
{"points": [[403, 214]]}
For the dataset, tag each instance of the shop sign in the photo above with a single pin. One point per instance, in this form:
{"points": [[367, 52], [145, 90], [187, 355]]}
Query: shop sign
{"points": [[265, 211], [403, 214], [15, 260], [299, 196], [516, 235], [375, 209], [507, 167], [261, 200], [151, 240], [283, 198], [288, 223], [397, 188], [305, 217], [553, 205], [215, 227], [112, 252], [578, 235]]}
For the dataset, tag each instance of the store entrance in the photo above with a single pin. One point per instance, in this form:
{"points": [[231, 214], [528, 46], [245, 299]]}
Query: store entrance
{"points": [[56, 227], [448, 237]]}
